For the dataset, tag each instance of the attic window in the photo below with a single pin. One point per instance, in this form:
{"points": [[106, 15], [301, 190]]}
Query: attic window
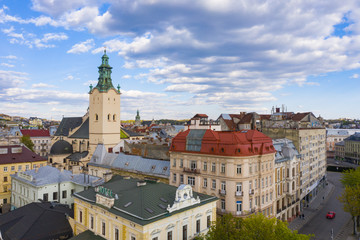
{"points": [[149, 210], [163, 199], [267, 148], [128, 204], [222, 150], [256, 149], [161, 206], [165, 168], [153, 167], [212, 149], [127, 164]]}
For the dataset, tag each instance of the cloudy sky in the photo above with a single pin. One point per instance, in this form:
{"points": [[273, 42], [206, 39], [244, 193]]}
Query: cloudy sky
{"points": [[173, 59]]}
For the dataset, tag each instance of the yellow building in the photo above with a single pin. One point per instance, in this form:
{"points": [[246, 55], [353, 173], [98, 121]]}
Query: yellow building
{"points": [[133, 209], [15, 158]]}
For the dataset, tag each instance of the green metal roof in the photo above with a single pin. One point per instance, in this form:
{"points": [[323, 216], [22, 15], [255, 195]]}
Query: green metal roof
{"points": [[104, 81], [141, 204]]}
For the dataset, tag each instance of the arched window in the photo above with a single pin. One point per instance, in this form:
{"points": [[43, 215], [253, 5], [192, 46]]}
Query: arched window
{"points": [[96, 117], [108, 117], [114, 117]]}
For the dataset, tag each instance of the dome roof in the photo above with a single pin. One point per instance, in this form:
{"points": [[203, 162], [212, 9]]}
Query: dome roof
{"points": [[61, 147]]}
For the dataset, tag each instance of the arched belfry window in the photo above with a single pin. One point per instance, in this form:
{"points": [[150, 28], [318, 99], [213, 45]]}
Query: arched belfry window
{"points": [[114, 117], [108, 117], [96, 117]]}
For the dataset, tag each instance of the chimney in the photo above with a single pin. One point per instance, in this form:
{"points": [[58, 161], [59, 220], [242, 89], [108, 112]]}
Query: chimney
{"points": [[277, 110]]}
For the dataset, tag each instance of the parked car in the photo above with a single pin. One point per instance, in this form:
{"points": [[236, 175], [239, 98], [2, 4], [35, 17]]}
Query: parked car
{"points": [[330, 215]]}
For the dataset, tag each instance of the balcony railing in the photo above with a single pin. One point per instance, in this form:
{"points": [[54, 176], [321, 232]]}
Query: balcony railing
{"points": [[222, 192], [238, 194], [192, 170], [236, 213]]}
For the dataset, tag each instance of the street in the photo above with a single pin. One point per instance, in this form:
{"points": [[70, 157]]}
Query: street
{"points": [[319, 224]]}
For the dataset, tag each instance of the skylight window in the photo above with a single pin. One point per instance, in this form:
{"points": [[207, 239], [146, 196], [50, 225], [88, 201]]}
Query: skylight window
{"points": [[128, 204], [162, 206], [149, 210], [164, 200]]}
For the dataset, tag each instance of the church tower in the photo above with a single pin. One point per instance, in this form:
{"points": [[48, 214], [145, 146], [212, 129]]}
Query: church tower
{"points": [[137, 119], [104, 109]]}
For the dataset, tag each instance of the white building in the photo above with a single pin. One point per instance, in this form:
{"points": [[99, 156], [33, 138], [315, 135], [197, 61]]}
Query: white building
{"points": [[48, 184]]}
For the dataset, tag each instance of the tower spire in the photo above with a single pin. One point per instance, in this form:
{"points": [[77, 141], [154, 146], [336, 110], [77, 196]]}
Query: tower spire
{"points": [[104, 81]]}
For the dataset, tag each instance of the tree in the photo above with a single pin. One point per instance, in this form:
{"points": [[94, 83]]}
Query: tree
{"points": [[351, 195], [351, 200], [27, 142], [255, 227]]}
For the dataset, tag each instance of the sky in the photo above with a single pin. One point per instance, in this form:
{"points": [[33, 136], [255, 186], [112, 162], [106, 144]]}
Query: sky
{"points": [[174, 59]]}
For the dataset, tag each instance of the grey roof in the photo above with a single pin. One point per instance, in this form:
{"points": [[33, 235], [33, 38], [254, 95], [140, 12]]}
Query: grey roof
{"points": [[66, 124], [225, 116], [131, 133], [354, 137], [130, 163], [41, 221], [342, 143], [61, 147], [285, 150], [83, 131], [87, 235], [340, 132], [141, 204], [50, 175], [75, 157]]}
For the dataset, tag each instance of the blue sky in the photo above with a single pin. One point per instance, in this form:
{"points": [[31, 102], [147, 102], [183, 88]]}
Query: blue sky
{"points": [[174, 59]]}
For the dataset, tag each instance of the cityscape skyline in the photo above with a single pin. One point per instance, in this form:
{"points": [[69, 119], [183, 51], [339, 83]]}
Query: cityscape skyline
{"points": [[175, 59]]}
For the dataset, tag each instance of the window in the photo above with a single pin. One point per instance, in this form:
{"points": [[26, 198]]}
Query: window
{"points": [[213, 184], [5, 169], [5, 179], [181, 163], [27, 167], [155, 238], [5, 189], [19, 168], [266, 181], [250, 204], [223, 185], [181, 178], [174, 163], [55, 195], [103, 226], [174, 177], [238, 169], [222, 204], [238, 187], [205, 183], [255, 182], [191, 181], [133, 238], [64, 193], [91, 221], [213, 167], [12, 168], [238, 206], [262, 183], [185, 232], [198, 226], [108, 117], [223, 168], [72, 191], [208, 221], [45, 197], [193, 165], [205, 166], [114, 119], [116, 234], [169, 235], [96, 117], [80, 216]]}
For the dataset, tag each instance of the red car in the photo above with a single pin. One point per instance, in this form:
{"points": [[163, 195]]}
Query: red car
{"points": [[330, 215]]}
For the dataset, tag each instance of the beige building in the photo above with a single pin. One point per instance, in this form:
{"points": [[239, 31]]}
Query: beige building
{"points": [[340, 151], [132, 209], [352, 148], [237, 167], [287, 179], [309, 137], [41, 139]]}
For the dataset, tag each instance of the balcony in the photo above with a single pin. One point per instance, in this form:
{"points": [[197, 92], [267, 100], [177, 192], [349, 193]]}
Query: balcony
{"points": [[251, 191], [236, 213], [239, 194], [191, 170], [222, 192]]}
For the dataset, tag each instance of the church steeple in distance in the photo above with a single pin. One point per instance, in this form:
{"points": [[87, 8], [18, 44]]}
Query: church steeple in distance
{"points": [[104, 81]]}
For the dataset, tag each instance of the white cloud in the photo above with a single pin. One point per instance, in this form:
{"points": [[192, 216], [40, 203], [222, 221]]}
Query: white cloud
{"points": [[54, 37], [69, 77], [82, 47], [7, 65], [10, 57], [355, 75], [42, 85]]}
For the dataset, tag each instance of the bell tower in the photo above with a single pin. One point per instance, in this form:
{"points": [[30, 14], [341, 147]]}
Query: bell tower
{"points": [[104, 109]]}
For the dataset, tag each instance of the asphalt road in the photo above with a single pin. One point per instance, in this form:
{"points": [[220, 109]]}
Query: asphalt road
{"points": [[319, 224]]}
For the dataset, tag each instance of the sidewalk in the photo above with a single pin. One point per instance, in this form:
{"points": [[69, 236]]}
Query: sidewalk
{"points": [[314, 205], [346, 232]]}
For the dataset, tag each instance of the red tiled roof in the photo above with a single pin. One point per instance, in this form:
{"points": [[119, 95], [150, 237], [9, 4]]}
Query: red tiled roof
{"points": [[265, 116], [240, 143], [199, 115], [246, 119], [299, 116], [14, 156], [231, 125], [35, 132]]}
